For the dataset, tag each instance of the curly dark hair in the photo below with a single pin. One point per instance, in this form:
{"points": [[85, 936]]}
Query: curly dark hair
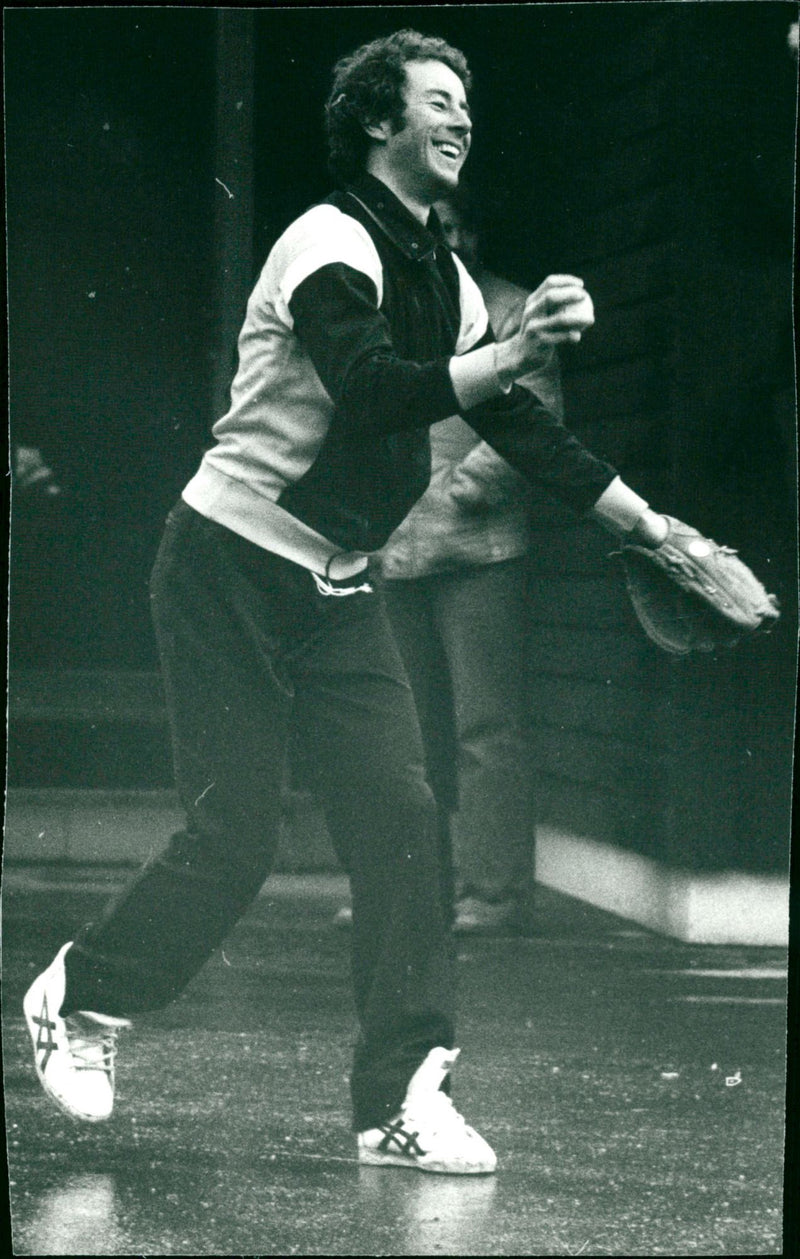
{"points": [[368, 88]]}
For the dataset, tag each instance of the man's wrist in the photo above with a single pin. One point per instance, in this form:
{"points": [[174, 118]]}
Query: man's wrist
{"points": [[474, 377], [650, 529], [481, 374], [620, 509], [507, 363]]}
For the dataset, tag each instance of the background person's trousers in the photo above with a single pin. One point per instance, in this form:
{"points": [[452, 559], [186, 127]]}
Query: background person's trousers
{"points": [[462, 635], [253, 658]]}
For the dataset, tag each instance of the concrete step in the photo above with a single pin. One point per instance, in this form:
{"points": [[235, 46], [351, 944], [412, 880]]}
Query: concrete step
{"points": [[127, 826]]}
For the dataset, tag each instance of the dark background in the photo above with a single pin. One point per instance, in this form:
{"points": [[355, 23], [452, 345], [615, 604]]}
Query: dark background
{"points": [[109, 148], [649, 148]]}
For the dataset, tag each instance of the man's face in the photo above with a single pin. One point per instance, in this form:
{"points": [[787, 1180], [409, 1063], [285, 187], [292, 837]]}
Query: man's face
{"points": [[426, 154], [462, 239]]}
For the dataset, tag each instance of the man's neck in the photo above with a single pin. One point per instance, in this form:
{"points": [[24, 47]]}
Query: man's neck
{"points": [[419, 207]]}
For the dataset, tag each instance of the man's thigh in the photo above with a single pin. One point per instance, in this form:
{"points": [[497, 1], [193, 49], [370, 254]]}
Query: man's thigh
{"points": [[354, 718]]}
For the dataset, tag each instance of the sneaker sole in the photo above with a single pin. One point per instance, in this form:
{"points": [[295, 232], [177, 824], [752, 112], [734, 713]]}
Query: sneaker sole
{"points": [[374, 1158]]}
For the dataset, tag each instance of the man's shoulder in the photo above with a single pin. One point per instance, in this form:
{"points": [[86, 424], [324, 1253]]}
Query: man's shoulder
{"points": [[323, 216], [325, 226], [321, 236]]}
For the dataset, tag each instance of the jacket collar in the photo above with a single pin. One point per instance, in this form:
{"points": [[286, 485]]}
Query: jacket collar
{"points": [[398, 223]]}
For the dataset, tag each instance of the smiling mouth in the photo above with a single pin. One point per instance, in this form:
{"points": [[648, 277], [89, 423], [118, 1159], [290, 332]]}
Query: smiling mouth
{"points": [[448, 149]]}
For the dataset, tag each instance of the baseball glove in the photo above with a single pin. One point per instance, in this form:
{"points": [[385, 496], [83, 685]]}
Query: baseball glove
{"points": [[689, 594]]}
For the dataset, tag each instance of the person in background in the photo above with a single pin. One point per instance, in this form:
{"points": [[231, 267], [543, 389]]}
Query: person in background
{"points": [[455, 588], [454, 579], [31, 474]]}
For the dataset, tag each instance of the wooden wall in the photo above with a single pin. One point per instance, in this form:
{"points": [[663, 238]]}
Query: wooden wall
{"points": [[682, 385]]}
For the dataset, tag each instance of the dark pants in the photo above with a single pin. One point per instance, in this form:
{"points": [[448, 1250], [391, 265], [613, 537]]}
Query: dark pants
{"points": [[254, 657], [462, 636]]}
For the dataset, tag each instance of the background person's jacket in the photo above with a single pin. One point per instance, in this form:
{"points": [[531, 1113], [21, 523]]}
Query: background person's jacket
{"points": [[476, 508]]}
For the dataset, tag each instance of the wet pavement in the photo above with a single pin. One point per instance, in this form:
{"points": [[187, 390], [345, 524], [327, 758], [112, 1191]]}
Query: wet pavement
{"points": [[632, 1086]]}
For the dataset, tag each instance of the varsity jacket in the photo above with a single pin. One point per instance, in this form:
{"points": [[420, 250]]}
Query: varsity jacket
{"points": [[343, 366]]}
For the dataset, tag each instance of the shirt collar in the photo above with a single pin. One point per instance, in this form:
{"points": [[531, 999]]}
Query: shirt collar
{"points": [[397, 222]]}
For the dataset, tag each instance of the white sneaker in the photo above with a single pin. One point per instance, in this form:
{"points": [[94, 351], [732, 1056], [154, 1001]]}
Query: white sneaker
{"points": [[428, 1133], [74, 1055]]}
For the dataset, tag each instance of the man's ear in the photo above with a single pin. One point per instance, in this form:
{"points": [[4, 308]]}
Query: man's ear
{"points": [[379, 131]]}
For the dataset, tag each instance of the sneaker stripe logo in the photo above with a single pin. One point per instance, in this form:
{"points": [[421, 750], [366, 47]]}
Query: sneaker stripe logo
{"points": [[398, 1136], [45, 1039]]}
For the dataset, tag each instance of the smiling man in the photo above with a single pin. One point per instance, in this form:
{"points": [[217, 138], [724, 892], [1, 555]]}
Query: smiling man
{"points": [[362, 330], [422, 157]]}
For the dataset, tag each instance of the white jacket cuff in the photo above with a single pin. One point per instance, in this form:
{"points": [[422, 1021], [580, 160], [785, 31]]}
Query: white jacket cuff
{"points": [[474, 377], [619, 506]]}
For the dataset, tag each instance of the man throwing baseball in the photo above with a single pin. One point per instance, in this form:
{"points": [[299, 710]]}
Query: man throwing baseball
{"points": [[362, 330]]}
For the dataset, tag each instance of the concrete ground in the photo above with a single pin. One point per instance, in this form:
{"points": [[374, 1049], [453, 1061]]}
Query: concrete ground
{"points": [[632, 1086]]}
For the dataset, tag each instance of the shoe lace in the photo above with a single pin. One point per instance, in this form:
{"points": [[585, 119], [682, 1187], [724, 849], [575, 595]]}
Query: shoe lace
{"points": [[91, 1047]]}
